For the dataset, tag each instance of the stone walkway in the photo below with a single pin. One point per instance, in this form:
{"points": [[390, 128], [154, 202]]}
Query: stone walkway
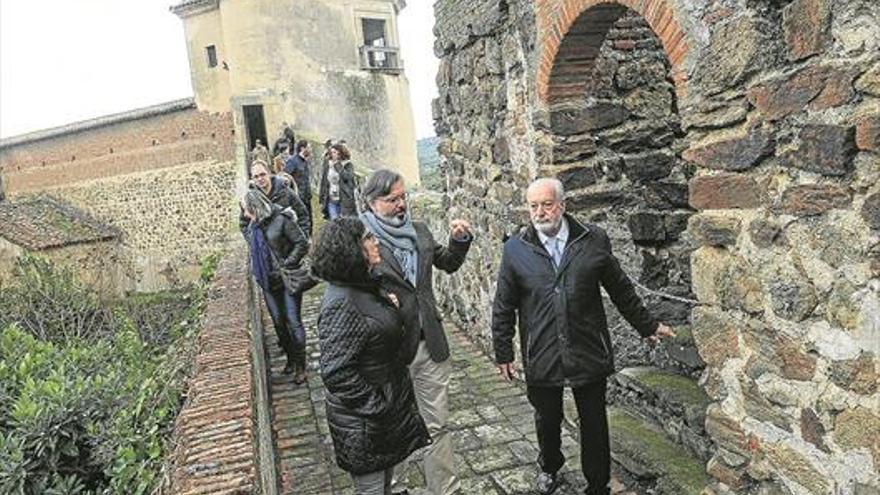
{"points": [[492, 423]]}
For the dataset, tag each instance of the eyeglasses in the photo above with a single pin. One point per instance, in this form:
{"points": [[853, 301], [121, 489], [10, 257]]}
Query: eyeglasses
{"points": [[544, 205], [394, 199]]}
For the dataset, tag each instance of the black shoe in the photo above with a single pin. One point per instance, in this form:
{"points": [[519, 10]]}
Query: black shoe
{"points": [[546, 483], [288, 368]]}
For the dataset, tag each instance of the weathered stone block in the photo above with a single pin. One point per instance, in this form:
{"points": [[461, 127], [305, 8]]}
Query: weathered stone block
{"points": [[797, 467], [814, 199], [577, 177], [795, 363], [664, 195], [501, 151], [812, 429], [871, 211], [805, 23], [715, 335], [717, 117], [825, 149], [714, 230], [818, 87], [859, 375], [764, 233], [732, 477], [574, 149], [726, 431], [647, 227], [869, 82], [597, 199], [791, 294], [868, 133], [676, 223], [732, 154], [648, 166], [720, 278], [578, 120], [858, 428], [730, 67], [725, 190]]}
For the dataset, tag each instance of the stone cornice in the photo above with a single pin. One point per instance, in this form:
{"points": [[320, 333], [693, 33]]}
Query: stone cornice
{"points": [[192, 7]]}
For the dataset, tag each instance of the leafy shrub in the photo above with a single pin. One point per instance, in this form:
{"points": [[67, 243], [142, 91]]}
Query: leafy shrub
{"points": [[85, 410]]}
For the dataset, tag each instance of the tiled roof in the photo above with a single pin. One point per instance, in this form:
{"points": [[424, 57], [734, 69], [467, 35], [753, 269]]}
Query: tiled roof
{"points": [[85, 125], [45, 222]]}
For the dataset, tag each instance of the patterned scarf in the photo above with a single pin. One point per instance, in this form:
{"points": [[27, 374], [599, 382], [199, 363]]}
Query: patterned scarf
{"points": [[401, 240]]}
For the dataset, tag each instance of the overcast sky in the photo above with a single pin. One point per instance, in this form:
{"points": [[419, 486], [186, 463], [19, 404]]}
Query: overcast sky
{"points": [[67, 60]]}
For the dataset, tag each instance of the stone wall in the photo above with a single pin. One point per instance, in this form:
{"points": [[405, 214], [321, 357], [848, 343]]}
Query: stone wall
{"points": [[169, 218], [760, 117]]}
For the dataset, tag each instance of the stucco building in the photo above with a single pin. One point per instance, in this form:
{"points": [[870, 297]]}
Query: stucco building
{"points": [[330, 68]]}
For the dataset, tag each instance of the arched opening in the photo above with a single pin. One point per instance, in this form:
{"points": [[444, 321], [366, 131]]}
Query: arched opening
{"points": [[614, 125]]}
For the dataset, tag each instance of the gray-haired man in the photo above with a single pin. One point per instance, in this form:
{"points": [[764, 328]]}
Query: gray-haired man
{"points": [[549, 286], [409, 254]]}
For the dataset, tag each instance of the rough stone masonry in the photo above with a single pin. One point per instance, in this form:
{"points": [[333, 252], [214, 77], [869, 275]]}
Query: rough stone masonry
{"points": [[732, 150]]}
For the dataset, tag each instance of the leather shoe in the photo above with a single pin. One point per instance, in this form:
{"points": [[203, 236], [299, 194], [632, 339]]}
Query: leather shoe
{"points": [[288, 368], [546, 483]]}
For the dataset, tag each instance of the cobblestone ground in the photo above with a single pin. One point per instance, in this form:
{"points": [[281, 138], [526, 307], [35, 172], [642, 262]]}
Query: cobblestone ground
{"points": [[492, 423]]}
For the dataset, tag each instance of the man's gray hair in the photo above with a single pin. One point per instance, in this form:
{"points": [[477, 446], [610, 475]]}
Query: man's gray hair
{"points": [[379, 184], [549, 181]]}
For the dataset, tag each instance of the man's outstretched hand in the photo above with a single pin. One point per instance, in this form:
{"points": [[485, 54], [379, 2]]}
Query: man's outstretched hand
{"points": [[460, 229], [663, 331], [506, 371]]}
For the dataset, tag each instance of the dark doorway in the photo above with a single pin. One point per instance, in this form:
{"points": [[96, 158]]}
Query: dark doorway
{"points": [[255, 125]]}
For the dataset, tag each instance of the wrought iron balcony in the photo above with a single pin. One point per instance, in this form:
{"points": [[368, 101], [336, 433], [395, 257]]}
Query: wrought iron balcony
{"points": [[381, 58]]}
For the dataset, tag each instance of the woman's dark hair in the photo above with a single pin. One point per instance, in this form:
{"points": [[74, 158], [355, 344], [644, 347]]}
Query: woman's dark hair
{"points": [[379, 184], [337, 255], [344, 154], [300, 145]]}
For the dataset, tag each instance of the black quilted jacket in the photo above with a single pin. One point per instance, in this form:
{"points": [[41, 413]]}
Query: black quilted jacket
{"points": [[373, 418]]}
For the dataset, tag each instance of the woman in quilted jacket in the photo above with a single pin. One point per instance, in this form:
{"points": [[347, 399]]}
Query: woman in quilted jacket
{"points": [[373, 418]]}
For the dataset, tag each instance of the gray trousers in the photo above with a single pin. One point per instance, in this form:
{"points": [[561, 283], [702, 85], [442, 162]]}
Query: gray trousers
{"points": [[431, 386], [377, 483]]}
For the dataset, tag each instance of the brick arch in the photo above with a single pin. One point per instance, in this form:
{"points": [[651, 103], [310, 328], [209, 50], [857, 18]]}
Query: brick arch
{"points": [[567, 32]]}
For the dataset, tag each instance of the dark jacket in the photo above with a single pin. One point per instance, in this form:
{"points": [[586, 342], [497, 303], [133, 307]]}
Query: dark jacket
{"points": [[563, 331], [371, 410], [298, 168], [287, 242], [417, 303], [347, 186], [283, 196]]}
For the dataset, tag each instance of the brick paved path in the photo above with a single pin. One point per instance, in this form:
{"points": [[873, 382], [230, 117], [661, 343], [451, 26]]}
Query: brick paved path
{"points": [[494, 432]]}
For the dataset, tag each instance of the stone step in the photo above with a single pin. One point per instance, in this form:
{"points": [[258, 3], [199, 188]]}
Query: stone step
{"points": [[676, 402], [645, 452]]}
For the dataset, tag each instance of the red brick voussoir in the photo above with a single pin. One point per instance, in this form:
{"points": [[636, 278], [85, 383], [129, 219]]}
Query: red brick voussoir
{"points": [[215, 448]]}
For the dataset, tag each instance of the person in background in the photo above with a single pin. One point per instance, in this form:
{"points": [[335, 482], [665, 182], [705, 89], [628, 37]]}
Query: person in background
{"points": [[260, 152], [276, 242], [338, 184], [299, 167], [279, 193], [374, 423]]}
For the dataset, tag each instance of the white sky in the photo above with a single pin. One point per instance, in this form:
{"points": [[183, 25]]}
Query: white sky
{"points": [[67, 60]]}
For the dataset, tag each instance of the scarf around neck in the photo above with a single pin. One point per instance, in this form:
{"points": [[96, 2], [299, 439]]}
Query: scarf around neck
{"points": [[401, 240]]}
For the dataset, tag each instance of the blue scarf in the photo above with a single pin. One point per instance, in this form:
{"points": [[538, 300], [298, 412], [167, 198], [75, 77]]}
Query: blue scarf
{"points": [[400, 240], [261, 259]]}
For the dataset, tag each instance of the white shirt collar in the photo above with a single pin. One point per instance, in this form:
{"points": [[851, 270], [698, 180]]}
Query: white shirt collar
{"points": [[562, 235]]}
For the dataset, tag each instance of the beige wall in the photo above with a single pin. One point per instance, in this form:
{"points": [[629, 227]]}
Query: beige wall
{"points": [[299, 59]]}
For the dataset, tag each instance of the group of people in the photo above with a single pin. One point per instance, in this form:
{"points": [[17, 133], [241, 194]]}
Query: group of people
{"points": [[384, 353]]}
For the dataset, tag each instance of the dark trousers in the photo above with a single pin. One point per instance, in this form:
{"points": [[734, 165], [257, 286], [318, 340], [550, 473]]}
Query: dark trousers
{"points": [[308, 204], [595, 451], [286, 312]]}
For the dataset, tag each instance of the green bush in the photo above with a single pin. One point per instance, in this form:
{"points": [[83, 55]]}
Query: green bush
{"points": [[85, 410]]}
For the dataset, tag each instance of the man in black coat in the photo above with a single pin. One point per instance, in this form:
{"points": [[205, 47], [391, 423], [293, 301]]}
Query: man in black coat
{"points": [[299, 168], [409, 254], [550, 278]]}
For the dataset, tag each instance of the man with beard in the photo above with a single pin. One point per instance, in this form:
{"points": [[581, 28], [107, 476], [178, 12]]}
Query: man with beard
{"points": [[409, 253], [549, 280]]}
